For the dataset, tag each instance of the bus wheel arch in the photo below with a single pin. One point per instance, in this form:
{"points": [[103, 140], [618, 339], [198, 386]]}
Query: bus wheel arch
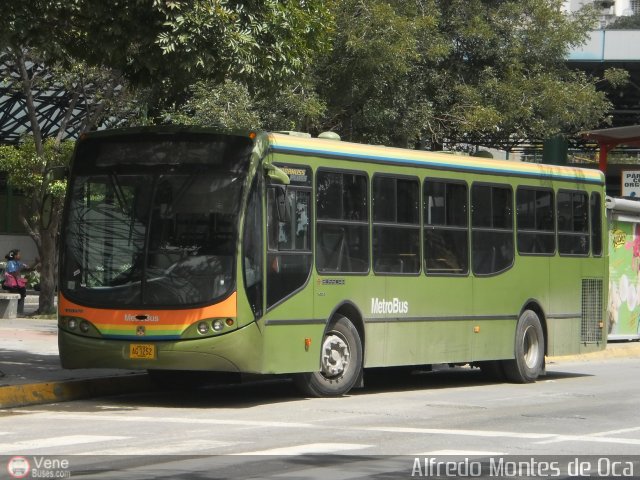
{"points": [[341, 358], [528, 361], [349, 310], [535, 307]]}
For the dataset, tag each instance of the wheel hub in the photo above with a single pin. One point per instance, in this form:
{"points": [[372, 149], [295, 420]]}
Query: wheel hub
{"points": [[530, 344], [335, 356]]}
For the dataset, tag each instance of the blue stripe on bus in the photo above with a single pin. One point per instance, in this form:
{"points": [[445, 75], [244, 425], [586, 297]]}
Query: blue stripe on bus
{"points": [[433, 164]]}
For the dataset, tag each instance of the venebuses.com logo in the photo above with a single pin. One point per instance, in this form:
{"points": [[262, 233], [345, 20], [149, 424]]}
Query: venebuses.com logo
{"points": [[18, 467], [38, 467]]}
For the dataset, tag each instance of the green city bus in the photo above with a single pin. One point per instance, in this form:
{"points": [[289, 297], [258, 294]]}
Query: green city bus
{"points": [[185, 249]]}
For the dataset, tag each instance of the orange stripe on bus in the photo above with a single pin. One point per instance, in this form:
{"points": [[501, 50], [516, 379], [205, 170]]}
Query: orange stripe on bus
{"points": [[166, 318]]}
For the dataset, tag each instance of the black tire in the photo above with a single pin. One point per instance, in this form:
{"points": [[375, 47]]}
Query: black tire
{"points": [[528, 363], [340, 362]]}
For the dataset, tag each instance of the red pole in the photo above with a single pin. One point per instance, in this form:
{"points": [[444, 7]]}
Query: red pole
{"points": [[604, 150]]}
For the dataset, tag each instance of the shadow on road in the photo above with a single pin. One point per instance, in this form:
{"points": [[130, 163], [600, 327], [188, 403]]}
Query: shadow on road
{"points": [[278, 390]]}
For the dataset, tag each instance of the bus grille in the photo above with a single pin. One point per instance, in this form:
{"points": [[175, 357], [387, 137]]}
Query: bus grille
{"points": [[590, 331]]}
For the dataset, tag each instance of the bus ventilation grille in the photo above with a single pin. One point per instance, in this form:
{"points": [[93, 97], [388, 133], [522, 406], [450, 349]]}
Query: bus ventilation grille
{"points": [[590, 330]]}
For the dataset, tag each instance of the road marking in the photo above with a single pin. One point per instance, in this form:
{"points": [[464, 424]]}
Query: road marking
{"points": [[109, 417], [310, 448], [542, 438], [26, 446], [466, 433], [615, 432], [592, 439], [193, 447]]}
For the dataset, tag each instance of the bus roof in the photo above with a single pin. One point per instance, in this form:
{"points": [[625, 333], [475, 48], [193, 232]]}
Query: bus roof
{"points": [[294, 145]]}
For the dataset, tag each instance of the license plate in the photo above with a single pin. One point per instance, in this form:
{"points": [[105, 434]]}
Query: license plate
{"points": [[142, 351]]}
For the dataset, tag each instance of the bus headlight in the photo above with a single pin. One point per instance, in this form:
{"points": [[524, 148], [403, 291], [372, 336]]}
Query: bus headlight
{"points": [[217, 325], [84, 326], [72, 324], [203, 328]]}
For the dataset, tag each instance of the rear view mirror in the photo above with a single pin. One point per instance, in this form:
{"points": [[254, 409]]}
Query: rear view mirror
{"points": [[276, 175]]}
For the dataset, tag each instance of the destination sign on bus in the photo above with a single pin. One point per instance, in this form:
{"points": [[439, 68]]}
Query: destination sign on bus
{"points": [[298, 174]]}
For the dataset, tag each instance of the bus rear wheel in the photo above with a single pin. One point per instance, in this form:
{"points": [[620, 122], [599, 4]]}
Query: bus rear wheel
{"points": [[340, 362], [528, 363]]}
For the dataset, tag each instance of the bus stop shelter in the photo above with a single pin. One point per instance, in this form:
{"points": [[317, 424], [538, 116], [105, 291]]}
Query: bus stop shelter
{"points": [[610, 138]]}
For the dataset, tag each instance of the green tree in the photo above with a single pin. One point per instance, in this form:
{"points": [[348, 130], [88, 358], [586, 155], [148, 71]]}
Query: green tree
{"points": [[631, 22], [367, 77], [25, 165], [176, 42], [230, 106], [91, 95], [429, 72], [95, 48]]}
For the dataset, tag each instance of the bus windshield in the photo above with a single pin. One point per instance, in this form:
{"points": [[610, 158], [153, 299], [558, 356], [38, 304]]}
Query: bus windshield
{"points": [[160, 237]]}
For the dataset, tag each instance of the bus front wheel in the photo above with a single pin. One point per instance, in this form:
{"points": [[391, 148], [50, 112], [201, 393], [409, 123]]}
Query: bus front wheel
{"points": [[340, 362], [528, 363]]}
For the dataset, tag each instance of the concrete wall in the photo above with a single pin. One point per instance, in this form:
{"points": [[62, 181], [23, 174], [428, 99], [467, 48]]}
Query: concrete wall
{"points": [[23, 242]]}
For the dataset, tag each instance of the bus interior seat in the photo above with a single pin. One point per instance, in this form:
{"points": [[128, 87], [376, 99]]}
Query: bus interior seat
{"points": [[333, 250]]}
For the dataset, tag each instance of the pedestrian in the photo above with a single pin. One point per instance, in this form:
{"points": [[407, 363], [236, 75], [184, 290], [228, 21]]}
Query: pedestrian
{"points": [[13, 280]]}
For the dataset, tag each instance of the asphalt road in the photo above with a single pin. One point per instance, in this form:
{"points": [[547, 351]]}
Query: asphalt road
{"points": [[580, 408]]}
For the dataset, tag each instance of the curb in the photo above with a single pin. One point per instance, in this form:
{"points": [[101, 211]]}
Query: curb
{"points": [[613, 350], [63, 391]]}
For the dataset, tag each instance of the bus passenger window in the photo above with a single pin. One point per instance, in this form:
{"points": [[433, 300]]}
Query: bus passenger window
{"points": [[573, 223], [492, 229], [396, 225], [342, 242], [596, 225], [288, 240], [446, 236], [535, 221]]}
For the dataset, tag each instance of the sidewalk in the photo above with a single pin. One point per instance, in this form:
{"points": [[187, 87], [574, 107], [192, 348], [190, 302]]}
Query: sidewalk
{"points": [[30, 371]]}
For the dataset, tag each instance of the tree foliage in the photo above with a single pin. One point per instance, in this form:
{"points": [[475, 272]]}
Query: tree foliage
{"points": [[631, 22], [177, 41], [95, 49], [428, 72], [231, 106], [89, 97]]}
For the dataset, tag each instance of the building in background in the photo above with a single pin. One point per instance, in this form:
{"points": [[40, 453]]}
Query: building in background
{"points": [[609, 9]]}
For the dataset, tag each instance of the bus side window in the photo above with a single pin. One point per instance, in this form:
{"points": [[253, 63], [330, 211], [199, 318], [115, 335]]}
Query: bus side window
{"points": [[535, 221], [446, 235], [289, 242], [492, 228], [573, 223], [596, 225], [396, 224], [342, 242]]}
